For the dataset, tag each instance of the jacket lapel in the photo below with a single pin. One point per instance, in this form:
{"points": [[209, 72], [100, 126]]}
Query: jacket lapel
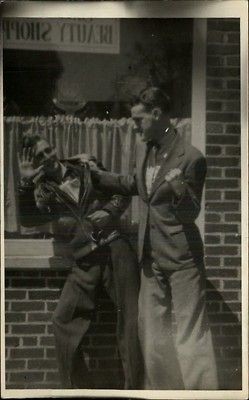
{"points": [[142, 155], [172, 160]]}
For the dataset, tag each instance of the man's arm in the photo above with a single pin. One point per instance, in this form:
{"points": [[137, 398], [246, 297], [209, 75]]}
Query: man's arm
{"points": [[30, 214], [109, 182], [187, 190]]}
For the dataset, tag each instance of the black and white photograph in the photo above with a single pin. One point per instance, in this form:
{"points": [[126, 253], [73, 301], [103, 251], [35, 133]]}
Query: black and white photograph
{"points": [[124, 199]]}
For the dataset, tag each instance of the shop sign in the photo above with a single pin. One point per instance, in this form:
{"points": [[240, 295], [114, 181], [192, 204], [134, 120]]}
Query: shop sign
{"points": [[84, 35]]}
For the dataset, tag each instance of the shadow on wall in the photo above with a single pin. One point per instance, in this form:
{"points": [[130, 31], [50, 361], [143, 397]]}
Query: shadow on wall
{"points": [[226, 331]]}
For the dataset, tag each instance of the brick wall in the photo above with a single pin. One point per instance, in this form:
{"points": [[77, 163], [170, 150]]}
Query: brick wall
{"points": [[222, 215], [31, 296]]}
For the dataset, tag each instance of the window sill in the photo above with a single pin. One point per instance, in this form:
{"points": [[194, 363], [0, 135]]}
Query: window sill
{"points": [[36, 253]]}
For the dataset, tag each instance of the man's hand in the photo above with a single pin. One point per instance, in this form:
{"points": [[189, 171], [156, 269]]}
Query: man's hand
{"points": [[25, 162], [173, 174], [101, 218]]}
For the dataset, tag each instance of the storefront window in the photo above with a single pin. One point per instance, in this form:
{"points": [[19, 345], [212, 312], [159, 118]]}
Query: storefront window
{"points": [[73, 81]]}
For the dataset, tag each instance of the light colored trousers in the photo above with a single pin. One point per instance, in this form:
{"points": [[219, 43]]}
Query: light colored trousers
{"points": [[185, 360]]}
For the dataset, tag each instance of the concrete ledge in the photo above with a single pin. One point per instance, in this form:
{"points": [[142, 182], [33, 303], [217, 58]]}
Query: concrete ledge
{"points": [[37, 253]]}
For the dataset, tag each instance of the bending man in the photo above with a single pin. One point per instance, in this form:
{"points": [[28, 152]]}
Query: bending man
{"points": [[61, 192]]}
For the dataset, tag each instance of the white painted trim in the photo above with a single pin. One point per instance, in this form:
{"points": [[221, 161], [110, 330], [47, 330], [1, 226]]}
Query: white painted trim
{"points": [[198, 113]]}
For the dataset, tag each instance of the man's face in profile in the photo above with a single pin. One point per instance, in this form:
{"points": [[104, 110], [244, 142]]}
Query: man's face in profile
{"points": [[145, 122]]}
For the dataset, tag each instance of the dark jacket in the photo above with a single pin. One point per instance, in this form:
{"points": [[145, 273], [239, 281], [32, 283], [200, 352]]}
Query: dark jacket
{"points": [[45, 202], [167, 230]]}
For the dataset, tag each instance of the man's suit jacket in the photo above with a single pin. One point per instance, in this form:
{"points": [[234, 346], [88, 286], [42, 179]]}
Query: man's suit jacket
{"points": [[166, 217]]}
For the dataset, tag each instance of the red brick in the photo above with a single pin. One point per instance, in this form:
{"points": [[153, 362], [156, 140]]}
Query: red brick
{"points": [[214, 105], [233, 60], [233, 173], [226, 228], [52, 376], [233, 195], [233, 129], [28, 283], [222, 183], [29, 341], [223, 95], [47, 341], [223, 162], [232, 353], [233, 306], [51, 305], [27, 353], [234, 84], [212, 127], [12, 341], [221, 250], [211, 239], [213, 150], [213, 195], [214, 83], [28, 306], [232, 151], [224, 24], [223, 72], [230, 284], [212, 217], [227, 295], [215, 37], [234, 37], [223, 49], [223, 116], [216, 61], [233, 218], [15, 317], [44, 294], [222, 207], [50, 353], [232, 330], [222, 139], [26, 376], [15, 294], [232, 261], [36, 317], [28, 329], [56, 283], [222, 272], [42, 364], [224, 341], [15, 364], [214, 172], [212, 261], [231, 105], [232, 239], [221, 318]]}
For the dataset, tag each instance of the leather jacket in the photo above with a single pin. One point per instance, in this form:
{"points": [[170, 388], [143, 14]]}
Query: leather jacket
{"points": [[44, 201]]}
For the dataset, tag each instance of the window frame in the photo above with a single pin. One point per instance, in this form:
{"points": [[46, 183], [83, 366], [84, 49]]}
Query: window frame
{"points": [[21, 253]]}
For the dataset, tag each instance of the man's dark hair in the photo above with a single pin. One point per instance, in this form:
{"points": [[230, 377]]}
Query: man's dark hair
{"points": [[154, 97]]}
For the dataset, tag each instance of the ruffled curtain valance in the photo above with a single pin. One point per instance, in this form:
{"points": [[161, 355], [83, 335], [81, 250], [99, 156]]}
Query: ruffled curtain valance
{"points": [[111, 141]]}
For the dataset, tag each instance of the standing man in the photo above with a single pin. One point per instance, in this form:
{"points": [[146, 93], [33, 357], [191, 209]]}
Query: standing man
{"points": [[169, 180], [61, 192]]}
